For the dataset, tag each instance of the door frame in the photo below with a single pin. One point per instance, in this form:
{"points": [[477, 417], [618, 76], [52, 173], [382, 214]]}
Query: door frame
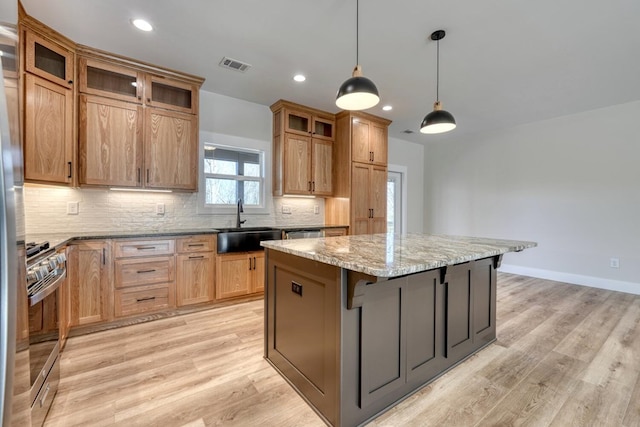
{"points": [[403, 171]]}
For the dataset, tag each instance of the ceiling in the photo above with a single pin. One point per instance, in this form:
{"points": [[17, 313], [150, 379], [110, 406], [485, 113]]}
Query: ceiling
{"points": [[502, 63]]}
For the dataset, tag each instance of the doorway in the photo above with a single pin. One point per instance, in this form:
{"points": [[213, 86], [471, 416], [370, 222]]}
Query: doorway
{"points": [[396, 199]]}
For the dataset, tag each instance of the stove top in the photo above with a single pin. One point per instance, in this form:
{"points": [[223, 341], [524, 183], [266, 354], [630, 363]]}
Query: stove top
{"points": [[35, 248]]}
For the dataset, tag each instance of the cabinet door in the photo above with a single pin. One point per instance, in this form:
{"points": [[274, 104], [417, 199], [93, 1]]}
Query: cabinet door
{"points": [[297, 164], [323, 128], [89, 272], [48, 60], [171, 94], [233, 273], [112, 81], [297, 122], [360, 208], [171, 150], [64, 311], [360, 151], [258, 272], [378, 199], [378, 144], [458, 308], [195, 281], [321, 181], [48, 135], [110, 139]]}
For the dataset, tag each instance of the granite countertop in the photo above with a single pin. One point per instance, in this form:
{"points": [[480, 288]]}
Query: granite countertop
{"points": [[388, 255], [60, 239]]}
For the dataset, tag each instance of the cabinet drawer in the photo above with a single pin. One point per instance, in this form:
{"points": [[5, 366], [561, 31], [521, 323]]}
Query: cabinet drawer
{"points": [[135, 248], [334, 232], [143, 271], [143, 299], [196, 244]]}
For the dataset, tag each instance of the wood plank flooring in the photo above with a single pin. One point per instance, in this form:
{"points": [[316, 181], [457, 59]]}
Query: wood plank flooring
{"points": [[566, 355]]}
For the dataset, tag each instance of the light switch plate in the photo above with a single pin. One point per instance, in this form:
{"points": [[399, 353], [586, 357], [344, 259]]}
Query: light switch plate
{"points": [[286, 209], [160, 208], [73, 208]]}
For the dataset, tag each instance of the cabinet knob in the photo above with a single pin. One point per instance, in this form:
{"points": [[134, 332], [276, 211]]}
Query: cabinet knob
{"points": [[70, 82]]}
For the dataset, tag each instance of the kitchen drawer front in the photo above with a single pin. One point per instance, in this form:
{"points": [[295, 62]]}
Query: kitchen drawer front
{"points": [[143, 299], [144, 271], [135, 248], [196, 244]]}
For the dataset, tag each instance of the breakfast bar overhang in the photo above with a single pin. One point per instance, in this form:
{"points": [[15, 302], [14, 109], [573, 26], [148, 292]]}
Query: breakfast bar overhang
{"points": [[357, 323]]}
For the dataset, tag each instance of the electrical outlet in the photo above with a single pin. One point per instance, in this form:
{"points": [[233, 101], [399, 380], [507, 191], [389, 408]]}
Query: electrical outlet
{"points": [[286, 209], [316, 209], [159, 208], [72, 208], [614, 263]]}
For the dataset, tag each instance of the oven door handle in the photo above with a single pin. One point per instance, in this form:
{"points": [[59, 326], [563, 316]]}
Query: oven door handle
{"points": [[47, 290]]}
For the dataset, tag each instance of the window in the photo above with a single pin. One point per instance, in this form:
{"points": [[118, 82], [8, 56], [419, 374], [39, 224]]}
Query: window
{"points": [[232, 173]]}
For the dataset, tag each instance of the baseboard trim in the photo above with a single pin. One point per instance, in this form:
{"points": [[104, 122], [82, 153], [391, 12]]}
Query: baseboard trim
{"points": [[575, 279]]}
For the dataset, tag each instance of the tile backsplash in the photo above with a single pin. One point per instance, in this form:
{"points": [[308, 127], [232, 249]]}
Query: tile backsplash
{"points": [[105, 210]]}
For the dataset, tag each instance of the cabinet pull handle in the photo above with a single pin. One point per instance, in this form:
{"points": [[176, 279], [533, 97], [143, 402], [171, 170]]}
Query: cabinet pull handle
{"points": [[139, 98], [196, 244], [254, 263], [313, 186], [145, 299], [104, 256], [69, 163], [145, 248], [147, 176], [146, 271], [196, 257], [249, 264], [372, 215], [70, 82], [373, 156], [138, 175], [148, 99]]}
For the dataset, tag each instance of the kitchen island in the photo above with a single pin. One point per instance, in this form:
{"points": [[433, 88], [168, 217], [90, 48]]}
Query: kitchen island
{"points": [[357, 323]]}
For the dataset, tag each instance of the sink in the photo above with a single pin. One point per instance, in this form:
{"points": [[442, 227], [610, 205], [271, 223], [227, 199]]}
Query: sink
{"points": [[245, 239]]}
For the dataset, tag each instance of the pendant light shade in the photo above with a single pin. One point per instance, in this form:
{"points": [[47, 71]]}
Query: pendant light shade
{"points": [[358, 92], [439, 120]]}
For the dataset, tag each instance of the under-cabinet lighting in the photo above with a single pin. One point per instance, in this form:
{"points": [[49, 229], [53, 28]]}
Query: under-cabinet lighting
{"points": [[143, 190], [295, 196]]}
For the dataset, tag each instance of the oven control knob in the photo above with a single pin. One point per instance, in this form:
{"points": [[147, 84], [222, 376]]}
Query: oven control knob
{"points": [[53, 262], [32, 276], [61, 257], [43, 271]]}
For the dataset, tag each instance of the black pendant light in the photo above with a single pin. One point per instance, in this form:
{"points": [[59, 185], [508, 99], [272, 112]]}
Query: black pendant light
{"points": [[358, 92], [439, 120]]}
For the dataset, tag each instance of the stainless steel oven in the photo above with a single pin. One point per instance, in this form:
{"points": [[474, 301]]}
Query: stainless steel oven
{"points": [[45, 273]]}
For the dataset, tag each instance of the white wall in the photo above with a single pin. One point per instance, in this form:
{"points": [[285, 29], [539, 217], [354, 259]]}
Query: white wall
{"points": [[411, 155], [572, 184]]}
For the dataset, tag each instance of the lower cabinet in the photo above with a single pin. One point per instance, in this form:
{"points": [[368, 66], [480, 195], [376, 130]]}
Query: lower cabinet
{"points": [[89, 279], [195, 270], [239, 274], [144, 276]]}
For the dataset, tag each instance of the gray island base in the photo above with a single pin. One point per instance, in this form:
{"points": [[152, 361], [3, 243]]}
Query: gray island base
{"points": [[357, 323]]}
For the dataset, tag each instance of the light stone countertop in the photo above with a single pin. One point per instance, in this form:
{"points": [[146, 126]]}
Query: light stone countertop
{"points": [[388, 255]]}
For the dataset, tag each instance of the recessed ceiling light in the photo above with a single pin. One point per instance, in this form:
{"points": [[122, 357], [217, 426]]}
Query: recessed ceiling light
{"points": [[299, 78], [387, 108], [141, 24]]}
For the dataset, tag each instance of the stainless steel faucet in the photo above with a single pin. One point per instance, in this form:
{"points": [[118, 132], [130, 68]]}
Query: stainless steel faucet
{"points": [[238, 222]]}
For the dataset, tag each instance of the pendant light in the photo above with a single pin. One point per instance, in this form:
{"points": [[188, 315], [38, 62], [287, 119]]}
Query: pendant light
{"points": [[439, 120], [358, 92]]}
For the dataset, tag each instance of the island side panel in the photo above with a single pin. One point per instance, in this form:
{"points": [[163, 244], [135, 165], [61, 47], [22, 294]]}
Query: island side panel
{"points": [[302, 314]]}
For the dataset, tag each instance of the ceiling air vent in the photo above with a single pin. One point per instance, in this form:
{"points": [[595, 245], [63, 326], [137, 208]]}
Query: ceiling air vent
{"points": [[234, 64], [407, 131]]}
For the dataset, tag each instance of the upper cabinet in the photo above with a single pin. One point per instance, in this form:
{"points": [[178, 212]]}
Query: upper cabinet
{"points": [[137, 128], [47, 72], [369, 141], [302, 150], [48, 59]]}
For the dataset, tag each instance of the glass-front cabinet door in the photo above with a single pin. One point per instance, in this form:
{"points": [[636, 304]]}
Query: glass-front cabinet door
{"points": [[297, 122], [323, 128], [171, 94], [48, 60], [109, 80]]}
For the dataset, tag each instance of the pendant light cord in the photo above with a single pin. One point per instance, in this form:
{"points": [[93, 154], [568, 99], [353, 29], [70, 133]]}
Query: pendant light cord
{"points": [[357, 30], [438, 71]]}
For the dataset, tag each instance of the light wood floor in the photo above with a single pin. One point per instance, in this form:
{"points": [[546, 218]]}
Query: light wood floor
{"points": [[565, 356]]}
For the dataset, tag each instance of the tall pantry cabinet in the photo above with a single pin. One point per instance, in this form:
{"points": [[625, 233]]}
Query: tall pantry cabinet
{"points": [[360, 173]]}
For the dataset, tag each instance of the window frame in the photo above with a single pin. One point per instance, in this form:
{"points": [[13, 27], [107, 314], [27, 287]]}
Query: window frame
{"points": [[263, 148]]}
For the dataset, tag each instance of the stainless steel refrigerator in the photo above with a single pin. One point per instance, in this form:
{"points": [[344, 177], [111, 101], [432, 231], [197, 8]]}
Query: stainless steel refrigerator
{"points": [[14, 329]]}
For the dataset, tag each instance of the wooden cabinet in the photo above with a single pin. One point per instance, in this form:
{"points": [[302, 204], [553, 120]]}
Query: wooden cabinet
{"points": [[239, 274], [48, 73], [195, 269], [110, 142], [89, 277], [303, 150], [359, 173], [120, 145], [144, 273], [334, 232]]}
